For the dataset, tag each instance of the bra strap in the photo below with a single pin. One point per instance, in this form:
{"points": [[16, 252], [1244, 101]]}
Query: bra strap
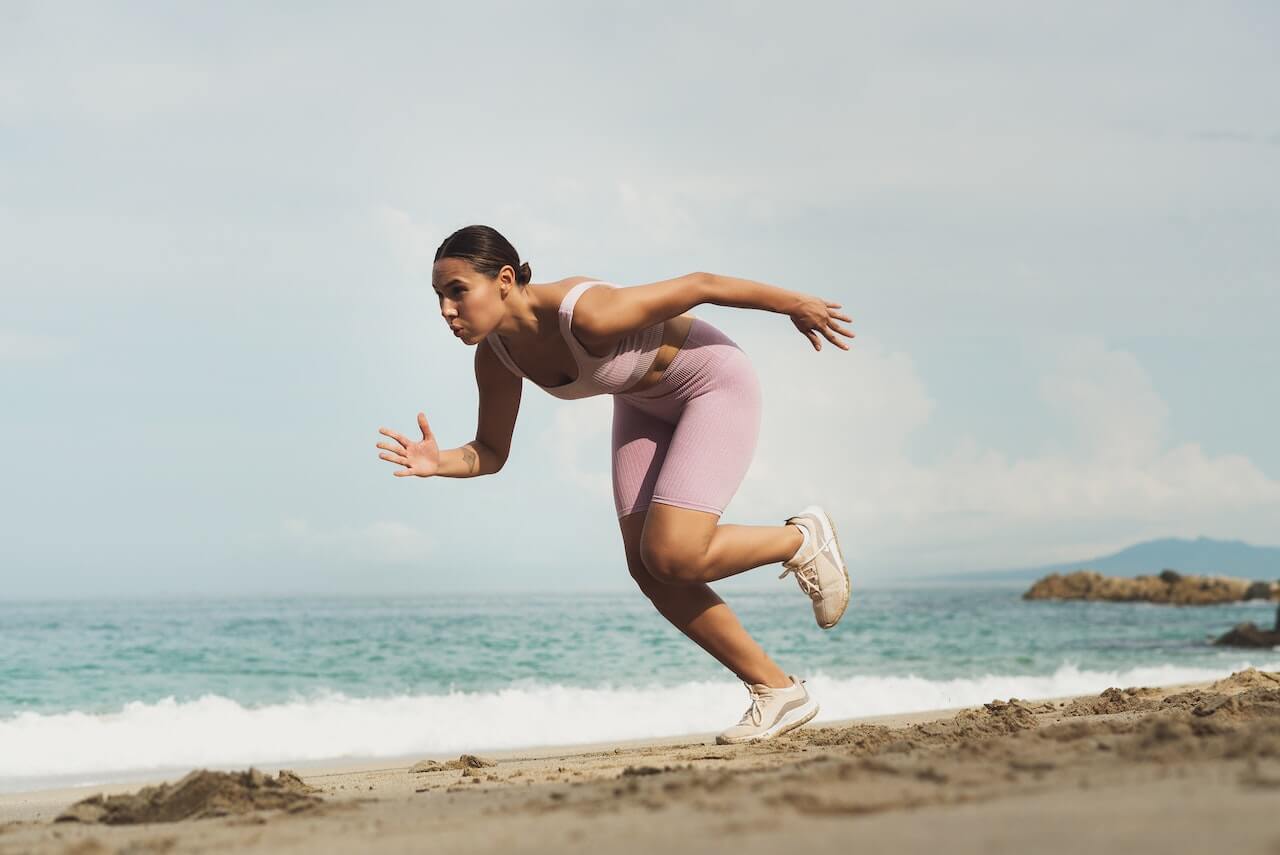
{"points": [[566, 316], [505, 358]]}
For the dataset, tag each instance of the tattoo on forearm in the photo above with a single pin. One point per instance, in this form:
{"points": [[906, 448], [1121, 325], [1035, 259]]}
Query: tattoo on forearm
{"points": [[470, 459]]}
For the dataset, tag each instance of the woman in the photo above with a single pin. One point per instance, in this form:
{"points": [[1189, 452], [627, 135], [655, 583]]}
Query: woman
{"points": [[685, 420]]}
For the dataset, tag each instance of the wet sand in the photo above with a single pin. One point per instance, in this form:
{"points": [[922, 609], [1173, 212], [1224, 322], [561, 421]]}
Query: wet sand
{"points": [[1174, 769]]}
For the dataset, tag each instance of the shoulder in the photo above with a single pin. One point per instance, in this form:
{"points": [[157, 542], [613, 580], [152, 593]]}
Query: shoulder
{"points": [[591, 312], [549, 295], [562, 288]]}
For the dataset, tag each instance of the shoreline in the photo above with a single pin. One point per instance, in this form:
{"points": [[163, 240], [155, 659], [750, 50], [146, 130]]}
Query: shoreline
{"points": [[1065, 682], [380, 781], [38, 803]]}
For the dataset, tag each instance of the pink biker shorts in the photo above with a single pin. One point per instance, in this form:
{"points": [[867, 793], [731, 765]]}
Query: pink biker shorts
{"points": [[688, 440]]}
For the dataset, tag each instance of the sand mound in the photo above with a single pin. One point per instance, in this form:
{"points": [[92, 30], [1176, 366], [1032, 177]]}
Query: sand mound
{"points": [[464, 762], [1258, 702], [1250, 678], [994, 719], [859, 737], [200, 794], [1113, 701]]}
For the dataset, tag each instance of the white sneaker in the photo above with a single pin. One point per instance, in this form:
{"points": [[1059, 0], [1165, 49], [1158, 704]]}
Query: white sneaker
{"points": [[772, 712], [819, 566]]}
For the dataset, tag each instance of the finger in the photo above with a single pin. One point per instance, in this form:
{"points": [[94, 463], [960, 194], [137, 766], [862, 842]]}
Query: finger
{"points": [[813, 338], [397, 437], [842, 330], [831, 338], [395, 458], [841, 316], [386, 446], [832, 305], [422, 423], [400, 473]]}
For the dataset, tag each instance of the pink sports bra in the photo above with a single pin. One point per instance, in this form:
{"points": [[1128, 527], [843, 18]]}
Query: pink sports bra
{"points": [[629, 360]]}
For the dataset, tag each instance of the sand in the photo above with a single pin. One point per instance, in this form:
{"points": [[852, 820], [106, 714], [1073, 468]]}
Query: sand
{"points": [[1174, 769]]}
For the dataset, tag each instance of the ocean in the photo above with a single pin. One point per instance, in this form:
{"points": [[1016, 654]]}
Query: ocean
{"points": [[98, 691]]}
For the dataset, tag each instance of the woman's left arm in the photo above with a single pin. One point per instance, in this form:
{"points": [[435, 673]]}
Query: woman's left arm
{"points": [[610, 312]]}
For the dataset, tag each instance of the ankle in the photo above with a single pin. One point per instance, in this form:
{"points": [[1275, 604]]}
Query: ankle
{"points": [[778, 681], [803, 543]]}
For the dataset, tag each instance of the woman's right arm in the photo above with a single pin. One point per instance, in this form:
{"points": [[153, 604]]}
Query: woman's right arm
{"points": [[499, 392], [499, 403]]}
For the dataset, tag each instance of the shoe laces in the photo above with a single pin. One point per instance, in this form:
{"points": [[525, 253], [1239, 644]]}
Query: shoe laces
{"points": [[755, 712], [807, 575]]}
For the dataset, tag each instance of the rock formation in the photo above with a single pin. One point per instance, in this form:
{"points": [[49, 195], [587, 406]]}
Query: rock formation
{"points": [[1170, 587], [1251, 635]]}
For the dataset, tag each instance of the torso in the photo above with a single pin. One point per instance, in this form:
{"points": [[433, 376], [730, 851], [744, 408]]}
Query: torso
{"points": [[550, 358]]}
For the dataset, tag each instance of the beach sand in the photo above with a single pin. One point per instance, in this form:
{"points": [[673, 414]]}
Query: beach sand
{"points": [[1174, 769]]}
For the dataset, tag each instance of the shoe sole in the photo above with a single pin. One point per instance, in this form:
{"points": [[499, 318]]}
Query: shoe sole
{"points": [[825, 520], [788, 723]]}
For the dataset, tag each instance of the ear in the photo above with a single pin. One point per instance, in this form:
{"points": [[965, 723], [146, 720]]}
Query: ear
{"points": [[506, 280]]}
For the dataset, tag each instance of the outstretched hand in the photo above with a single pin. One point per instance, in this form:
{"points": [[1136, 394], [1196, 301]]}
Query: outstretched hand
{"points": [[814, 315], [417, 458]]}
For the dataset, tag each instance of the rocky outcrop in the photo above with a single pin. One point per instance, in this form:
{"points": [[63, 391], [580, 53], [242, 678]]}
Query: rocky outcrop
{"points": [[1170, 587], [1251, 635], [1259, 591]]}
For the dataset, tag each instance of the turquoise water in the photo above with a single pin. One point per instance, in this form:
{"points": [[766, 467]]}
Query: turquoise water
{"points": [[94, 657], [90, 690]]}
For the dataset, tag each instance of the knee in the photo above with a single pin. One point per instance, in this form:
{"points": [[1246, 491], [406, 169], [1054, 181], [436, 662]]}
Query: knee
{"points": [[670, 566], [644, 579]]}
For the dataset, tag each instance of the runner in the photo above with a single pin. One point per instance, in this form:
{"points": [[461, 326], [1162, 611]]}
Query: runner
{"points": [[686, 414]]}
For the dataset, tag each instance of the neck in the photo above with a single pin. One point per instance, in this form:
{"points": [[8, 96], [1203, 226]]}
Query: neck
{"points": [[525, 317]]}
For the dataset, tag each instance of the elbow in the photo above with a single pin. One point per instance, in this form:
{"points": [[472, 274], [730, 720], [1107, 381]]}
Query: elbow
{"points": [[704, 285], [490, 460]]}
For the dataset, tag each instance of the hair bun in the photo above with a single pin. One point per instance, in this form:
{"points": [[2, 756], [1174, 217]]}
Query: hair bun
{"points": [[524, 274]]}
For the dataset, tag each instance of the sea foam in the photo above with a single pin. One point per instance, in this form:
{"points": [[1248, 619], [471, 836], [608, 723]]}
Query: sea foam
{"points": [[41, 750]]}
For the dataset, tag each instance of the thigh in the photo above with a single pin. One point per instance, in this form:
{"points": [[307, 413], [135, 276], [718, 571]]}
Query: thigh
{"points": [[632, 527], [713, 442], [640, 443], [709, 454]]}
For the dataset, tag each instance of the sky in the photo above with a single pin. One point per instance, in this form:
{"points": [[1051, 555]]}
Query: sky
{"points": [[1056, 226]]}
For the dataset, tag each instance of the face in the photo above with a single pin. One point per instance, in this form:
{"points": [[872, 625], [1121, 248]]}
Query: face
{"points": [[470, 302]]}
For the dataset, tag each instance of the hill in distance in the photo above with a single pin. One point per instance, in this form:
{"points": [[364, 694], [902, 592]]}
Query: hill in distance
{"points": [[1203, 555]]}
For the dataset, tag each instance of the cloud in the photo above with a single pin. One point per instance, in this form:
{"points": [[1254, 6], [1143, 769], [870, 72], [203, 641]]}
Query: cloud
{"points": [[23, 347], [1108, 398], [839, 432], [381, 541]]}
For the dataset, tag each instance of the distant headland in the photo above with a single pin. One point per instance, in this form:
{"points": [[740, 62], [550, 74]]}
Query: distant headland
{"points": [[1202, 555], [1168, 587]]}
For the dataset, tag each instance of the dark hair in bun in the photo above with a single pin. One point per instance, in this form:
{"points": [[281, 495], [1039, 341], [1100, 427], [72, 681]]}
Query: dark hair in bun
{"points": [[487, 250]]}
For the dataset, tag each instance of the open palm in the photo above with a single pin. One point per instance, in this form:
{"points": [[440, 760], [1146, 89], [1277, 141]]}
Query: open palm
{"points": [[418, 458]]}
